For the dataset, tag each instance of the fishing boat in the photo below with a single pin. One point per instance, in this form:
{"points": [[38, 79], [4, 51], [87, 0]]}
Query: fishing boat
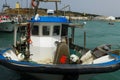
{"points": [[45, 51], [7, 24]]}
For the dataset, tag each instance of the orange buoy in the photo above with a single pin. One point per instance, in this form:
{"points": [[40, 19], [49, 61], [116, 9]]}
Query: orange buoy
{"points": [[29, 41], [63, 59]]}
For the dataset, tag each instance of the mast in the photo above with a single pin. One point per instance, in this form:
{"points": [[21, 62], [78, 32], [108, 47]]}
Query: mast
{"points": [[56, 8], [36, 7], [38, 2], [5, 2], [5, 6]]}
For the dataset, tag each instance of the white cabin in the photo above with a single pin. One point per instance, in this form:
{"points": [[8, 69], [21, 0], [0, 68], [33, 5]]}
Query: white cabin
{"points": [[46, 31]]}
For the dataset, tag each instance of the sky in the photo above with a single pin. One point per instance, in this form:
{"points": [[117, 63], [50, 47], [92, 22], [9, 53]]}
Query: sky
{"points": [[99, 7]]}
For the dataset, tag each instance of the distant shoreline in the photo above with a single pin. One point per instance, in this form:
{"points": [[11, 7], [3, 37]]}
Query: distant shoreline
{"points": [[73, 15]]}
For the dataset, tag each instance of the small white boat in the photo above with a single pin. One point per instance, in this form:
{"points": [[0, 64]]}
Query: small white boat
{"points": [[6, 24]]}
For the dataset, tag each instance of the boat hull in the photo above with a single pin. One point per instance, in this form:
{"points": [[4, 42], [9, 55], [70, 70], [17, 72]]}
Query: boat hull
{"points": [[47, 75], [69, 69], [45, 72], [7, 26], [60, 68], [42, 76]]}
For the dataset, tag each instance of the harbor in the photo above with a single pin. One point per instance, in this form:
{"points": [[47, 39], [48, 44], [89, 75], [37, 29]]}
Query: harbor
{"points": [[57, 45], [94, 38]]}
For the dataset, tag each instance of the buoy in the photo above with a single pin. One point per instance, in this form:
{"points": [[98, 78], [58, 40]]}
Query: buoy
{"points": [[84, 23], [29, 41], [74, 58], [20, 56], [63, 59]]}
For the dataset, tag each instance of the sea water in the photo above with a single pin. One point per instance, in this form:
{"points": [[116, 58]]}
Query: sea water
{"points": [[97, 33]]}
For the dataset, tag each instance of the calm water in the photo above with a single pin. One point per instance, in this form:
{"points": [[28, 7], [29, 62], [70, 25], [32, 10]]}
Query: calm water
{"points": [[97, 33]]}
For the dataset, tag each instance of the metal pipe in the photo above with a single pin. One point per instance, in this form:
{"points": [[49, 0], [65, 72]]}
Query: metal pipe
{"points": [[84, 39], [15, 35], [56, 8], [64, 9], [73, 33], [36, 7]]}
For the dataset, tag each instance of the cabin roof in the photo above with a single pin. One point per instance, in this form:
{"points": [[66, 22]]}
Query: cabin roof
{"points": [[52, 19]]}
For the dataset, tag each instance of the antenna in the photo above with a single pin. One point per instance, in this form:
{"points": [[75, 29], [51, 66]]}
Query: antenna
{"points": [[36, 7], [52, 1], [5, 6], [5, 2]]}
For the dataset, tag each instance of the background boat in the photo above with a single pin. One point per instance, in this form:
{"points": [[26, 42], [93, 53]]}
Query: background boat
{"points": [[7, 23]]}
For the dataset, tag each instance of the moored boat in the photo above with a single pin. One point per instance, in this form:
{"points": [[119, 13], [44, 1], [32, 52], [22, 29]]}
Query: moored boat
{"points": [[45, 50], [7, 24]]}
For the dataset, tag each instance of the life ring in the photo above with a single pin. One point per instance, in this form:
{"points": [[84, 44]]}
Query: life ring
{"points": [[33, 3]]}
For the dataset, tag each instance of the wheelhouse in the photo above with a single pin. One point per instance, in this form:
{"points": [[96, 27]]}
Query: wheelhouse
{"points": [[46, 31]]}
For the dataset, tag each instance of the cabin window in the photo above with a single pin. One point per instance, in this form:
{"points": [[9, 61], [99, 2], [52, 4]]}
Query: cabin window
{"points": [[3, 19], [56, 30], [64, 30], [46, 30], [35, 30]]}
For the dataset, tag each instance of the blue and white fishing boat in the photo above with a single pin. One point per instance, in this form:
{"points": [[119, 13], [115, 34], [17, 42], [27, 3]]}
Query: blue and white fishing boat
{"points": [[45, 51]]}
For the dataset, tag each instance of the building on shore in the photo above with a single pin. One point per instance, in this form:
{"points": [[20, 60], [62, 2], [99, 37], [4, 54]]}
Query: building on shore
{"points": [[17, 5]]}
